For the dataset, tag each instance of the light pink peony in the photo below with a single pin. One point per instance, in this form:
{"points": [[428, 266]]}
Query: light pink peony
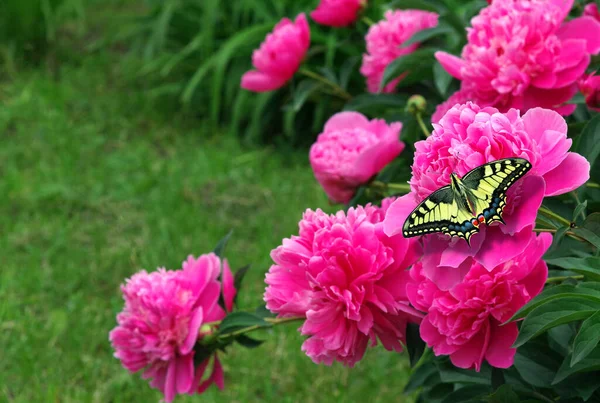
{"points": [[591, 10], [159, 326], [337, 13], [522, 54], [279, 56], [349, 280], [351, 150], [467, 137], [384, 41], [589, 85], [464, 322]]}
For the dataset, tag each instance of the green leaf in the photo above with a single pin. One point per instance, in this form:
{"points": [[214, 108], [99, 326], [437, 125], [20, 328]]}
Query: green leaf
{"points": [[537, 364], [589, 363], [239, 275], [422, 36], [240, 320], [588, 266], [468, 394], [414, 63], [592, 223], [346, 70], [504, 394], [579, 210], [414, 344], [369, 101], [451, 374], [554, 313], [552, 293], [263, 312], [422, 376], [220, 248], [302, 92], [558, 237], [414, 5], [589, 143], [588, 236], [497, 378], [587, 339], [247, 341], [559, 338], [441, 78]]}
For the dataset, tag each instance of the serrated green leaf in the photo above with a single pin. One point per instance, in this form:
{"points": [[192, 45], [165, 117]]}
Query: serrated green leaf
{"points": [[220, 248], [589, 363], [552, 293], [504, 394], [588, 266], [587, 338], [425, 34], [441, 78], [412, 64], [240, 320], [414, 344], [469, 393], [588, 236], [589, 143], [554, 313], [422, 377], [247, 341], [579, 210], [368, 101]]}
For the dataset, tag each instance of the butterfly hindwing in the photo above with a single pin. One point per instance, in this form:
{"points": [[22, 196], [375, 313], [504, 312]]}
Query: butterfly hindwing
{"points": [[459, 212]]}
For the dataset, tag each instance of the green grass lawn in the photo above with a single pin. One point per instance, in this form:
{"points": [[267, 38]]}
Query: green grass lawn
{"points": [[95, 186]]}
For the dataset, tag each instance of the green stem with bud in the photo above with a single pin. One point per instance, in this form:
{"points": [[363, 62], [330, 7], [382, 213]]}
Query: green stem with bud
{"points": [[550, 214], [272, 321], [422, 125], [560, 279]]}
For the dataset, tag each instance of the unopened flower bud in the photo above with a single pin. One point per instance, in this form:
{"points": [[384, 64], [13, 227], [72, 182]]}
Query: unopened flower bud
{"points": [[416, 104]]}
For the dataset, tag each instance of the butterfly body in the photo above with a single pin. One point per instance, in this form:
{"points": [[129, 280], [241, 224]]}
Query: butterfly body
{"points": [[460, 208]]}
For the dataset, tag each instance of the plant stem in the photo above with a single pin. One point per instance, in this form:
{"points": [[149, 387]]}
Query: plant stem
{"points": [[553, 231], [422, 125], [400, 187], [336, 89], [592, 185], [562, 278], [367, 21], [550, 214]]}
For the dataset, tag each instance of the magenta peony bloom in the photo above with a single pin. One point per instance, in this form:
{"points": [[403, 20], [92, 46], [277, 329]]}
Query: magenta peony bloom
{"points": [[337, 13], [591, 10], [348, 279], [384, 41], [589, 85], [522, 54], [279, 56], [159, 326], [464, 322], [351, 150], [467, 137]]}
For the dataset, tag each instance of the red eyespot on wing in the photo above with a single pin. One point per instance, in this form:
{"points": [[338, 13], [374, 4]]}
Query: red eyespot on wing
{"points": [[481, 219], [475, 222]]}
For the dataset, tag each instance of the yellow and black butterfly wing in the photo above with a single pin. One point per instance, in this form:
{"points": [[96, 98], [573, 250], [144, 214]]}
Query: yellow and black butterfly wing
{"points": [[489, 183], [440, 212]]}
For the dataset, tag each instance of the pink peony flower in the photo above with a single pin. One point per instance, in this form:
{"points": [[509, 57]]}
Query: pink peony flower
{"points": [[589, 85], [464, 322], [351, 150], [159, 326], [522, 54], [337, 13], [591, 10], [348, 279], [384, 41], [467, 137], [279, 56]]}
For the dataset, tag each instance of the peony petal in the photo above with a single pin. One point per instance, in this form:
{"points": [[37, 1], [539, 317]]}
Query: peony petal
{"points": [[185, 373], [450, 63], [500, 247], [192, 336], [260, 82], [227, 285], [499, 354], [171, 380], [397, 213], [346, 121], [471, 354], [524, 215], [564, 5], [578, 169], [582, 28]]}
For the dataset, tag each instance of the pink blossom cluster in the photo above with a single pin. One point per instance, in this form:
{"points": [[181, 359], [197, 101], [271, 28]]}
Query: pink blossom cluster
{"points": [[162, 320], [348, 279], [523, 54]]}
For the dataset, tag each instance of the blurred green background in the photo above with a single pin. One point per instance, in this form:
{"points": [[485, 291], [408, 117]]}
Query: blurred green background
{"points": [[127, 144]]}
